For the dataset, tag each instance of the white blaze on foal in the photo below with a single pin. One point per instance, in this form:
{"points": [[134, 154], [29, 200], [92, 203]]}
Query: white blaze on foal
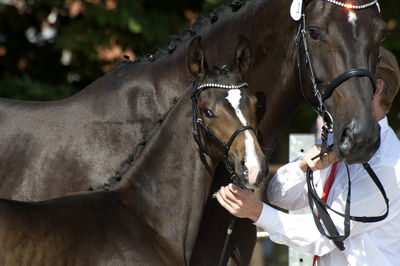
{"points": [[251, 162]]}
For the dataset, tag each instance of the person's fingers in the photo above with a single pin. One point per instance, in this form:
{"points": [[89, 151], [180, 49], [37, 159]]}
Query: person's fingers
{"points": [[332, 157], [233, 187], [232, 194], [312, 164], [224, 204], [318, 163], [229, 198], [237, 192]]}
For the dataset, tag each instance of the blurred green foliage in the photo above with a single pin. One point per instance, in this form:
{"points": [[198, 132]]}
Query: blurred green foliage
{"points": [[49, 49]]}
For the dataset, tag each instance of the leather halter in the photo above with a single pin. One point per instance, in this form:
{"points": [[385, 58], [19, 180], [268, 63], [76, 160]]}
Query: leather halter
{"points": [[198, 125], [314, 200]]}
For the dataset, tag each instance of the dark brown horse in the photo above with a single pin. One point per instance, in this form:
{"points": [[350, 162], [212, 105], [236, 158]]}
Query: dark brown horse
{"points": [[152, 216], [45, 147]]}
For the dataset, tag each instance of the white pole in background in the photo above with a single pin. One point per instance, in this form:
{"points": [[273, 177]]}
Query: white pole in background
{"points": [[298, 145]]}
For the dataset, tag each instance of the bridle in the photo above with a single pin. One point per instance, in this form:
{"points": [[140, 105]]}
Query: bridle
{"points": [[301, 41], [330, 230], [200, 126]]}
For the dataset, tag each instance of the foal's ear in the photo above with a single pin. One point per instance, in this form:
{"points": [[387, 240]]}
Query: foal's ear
{"points": [[196, 60], [243, 55]]}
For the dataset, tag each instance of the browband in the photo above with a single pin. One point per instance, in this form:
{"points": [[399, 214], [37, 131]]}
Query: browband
{"points": [[352, 6]]}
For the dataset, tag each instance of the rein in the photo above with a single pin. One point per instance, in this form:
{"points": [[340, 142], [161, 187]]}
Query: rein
{"points": [[313, 198]]}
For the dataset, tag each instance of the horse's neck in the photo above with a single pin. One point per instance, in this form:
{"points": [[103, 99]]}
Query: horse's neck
{"points": [[271, 31], [274, 69], [168, 185]]}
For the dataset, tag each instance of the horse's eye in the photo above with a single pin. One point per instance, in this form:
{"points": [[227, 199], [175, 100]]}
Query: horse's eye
{"points": [[314, 33], [208, 113]]}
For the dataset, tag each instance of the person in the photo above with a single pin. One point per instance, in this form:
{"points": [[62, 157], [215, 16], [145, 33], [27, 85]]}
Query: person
{"points": [[374, 243]]}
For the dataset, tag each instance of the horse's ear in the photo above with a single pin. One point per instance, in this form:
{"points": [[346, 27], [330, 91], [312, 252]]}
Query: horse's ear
{"points": [[196, 60], [243, 55]]}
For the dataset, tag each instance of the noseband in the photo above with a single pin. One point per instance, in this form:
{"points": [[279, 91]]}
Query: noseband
{"points": [[314, 200], [198, 124]]}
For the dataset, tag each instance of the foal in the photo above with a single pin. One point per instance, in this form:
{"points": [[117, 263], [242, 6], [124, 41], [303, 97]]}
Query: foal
{"points": [[152, 216]]}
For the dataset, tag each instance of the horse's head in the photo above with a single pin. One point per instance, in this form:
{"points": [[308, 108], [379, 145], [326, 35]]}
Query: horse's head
{"points": [[343, 45], [225, 115]]}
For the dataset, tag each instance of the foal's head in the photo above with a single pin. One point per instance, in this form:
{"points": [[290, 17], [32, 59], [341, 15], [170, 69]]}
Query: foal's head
{"points": [[225, 115]]}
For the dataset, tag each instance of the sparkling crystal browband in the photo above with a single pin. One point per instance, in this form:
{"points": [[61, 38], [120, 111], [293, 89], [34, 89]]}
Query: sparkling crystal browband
{"points": [[221, 86], [351, 6]]}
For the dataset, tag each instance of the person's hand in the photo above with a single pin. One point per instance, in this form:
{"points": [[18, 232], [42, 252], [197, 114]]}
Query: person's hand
{"points": [[319, 163], [239, 202]]}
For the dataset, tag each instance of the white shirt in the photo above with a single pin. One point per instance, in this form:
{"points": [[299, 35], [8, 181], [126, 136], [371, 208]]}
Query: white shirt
{"points": [[369, 243]]}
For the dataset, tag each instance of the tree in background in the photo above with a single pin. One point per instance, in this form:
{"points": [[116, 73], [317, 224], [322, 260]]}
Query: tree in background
{"points": [[50, 49]]}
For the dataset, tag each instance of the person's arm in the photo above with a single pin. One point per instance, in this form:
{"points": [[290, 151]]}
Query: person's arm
{"points": [[287, 188], [294, 230]]}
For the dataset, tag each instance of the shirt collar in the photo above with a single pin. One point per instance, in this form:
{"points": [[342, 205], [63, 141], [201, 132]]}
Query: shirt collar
{"points": [[384, 124]]}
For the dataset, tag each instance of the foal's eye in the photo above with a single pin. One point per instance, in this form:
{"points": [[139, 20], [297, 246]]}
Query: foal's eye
{"points": [[314, 33], [208, 113]]}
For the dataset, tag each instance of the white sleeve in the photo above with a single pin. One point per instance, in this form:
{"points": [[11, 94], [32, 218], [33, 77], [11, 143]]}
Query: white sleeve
{"points": [[367, 200], [297, 231], [287, 188]]}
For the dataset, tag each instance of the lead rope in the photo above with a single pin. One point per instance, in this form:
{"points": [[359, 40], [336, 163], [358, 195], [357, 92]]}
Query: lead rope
{"points": [[228, 236]]}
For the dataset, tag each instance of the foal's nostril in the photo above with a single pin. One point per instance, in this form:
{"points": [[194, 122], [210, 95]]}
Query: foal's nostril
{"points": [[244, 169]]}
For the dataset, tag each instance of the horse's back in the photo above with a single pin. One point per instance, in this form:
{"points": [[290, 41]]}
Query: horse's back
{"points": [[37, 144]]}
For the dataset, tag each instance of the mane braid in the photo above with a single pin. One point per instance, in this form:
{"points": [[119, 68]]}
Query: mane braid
{"points": [[125, 164], [194, 29]]}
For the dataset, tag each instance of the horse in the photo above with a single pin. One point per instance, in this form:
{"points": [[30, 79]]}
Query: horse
{"points": [[46, 146], [152, 216]]}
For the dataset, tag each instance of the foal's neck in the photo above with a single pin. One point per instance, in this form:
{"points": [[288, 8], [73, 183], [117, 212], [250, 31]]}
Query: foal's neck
{"points": [[168, 185]]}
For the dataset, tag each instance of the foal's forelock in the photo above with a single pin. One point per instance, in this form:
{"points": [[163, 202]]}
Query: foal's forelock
{"points": [[251, 160]]}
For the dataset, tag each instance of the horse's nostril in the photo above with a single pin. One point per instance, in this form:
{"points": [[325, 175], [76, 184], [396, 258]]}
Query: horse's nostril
{"points": [[346, 139]]}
